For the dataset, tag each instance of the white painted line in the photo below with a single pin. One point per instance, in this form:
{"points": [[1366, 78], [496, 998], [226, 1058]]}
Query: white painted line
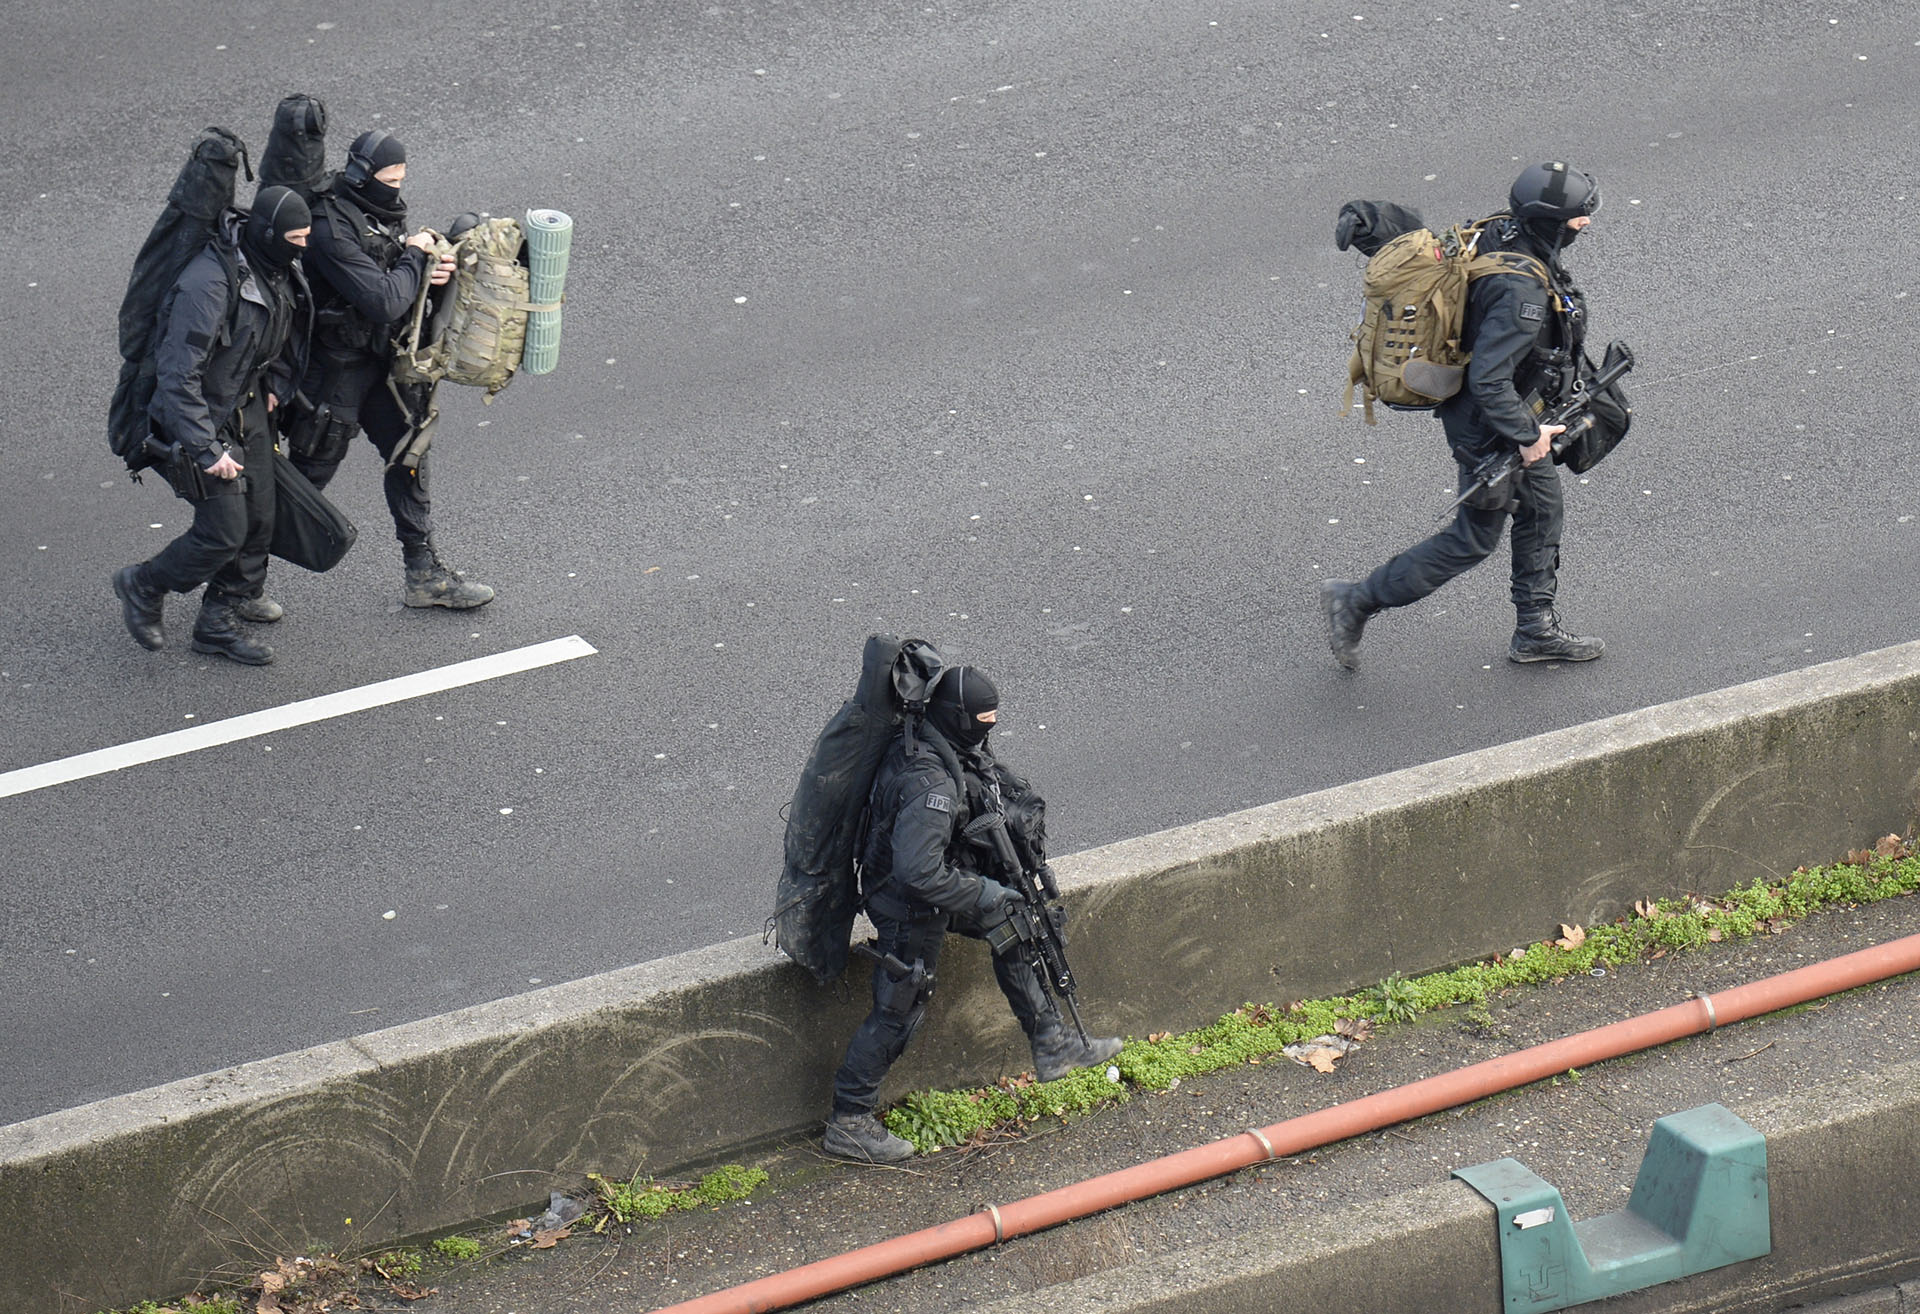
{"points": [[347, 701]]}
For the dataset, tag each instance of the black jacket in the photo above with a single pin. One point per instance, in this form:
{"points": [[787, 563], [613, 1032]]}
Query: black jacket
{"points": [[1521, 336], [365, 279], [914, 850], [205, 362]]}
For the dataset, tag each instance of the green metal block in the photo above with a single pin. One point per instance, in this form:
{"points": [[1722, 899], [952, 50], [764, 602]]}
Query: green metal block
{"points": [[1699, 1203]]}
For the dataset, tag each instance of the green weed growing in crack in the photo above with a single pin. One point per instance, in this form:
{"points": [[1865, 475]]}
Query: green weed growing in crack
{"points": [[642, 1197], [1395, 999], [461, 1249]]}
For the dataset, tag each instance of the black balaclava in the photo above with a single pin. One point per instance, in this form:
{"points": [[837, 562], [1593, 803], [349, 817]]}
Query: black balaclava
{"points": [[276, 212], [962, 694], [1551, 236], [381, 149]]}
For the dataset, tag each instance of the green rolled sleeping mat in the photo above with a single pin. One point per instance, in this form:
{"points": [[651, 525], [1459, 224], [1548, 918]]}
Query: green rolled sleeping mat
{"points": [[549, 238]]}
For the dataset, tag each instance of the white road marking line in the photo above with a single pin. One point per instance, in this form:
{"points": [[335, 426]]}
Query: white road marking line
{"points": [[347, 701]]}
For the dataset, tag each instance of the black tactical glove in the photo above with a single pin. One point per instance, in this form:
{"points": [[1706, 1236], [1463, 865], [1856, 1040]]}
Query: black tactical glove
{"points": [[1003, 921]]}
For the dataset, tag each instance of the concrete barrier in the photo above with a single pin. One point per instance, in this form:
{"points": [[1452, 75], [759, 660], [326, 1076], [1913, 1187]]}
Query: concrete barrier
{"points": [[1840, 1166], [658, 1066]]}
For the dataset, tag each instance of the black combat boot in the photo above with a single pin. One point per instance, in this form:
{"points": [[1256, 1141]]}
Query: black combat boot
{"points": [[140, 605], [1058, 1051], [215, 632], [259, 611], [1539, 638], [1345, 619], [863, 1138], [431, 584]]}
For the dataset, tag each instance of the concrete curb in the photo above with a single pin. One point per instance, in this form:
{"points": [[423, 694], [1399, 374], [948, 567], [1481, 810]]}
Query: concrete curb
{"points": [[1845, 1214], [653, 1067]]}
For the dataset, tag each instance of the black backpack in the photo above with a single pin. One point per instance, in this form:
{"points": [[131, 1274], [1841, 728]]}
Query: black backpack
{"points": [[296, 154], [819, 893], [201, 194]]}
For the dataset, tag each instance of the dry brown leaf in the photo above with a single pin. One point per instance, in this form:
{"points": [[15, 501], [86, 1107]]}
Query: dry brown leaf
{"points": [[1354, 1028], [1571, 937], [1258, 1014], [1658, 953], [551, 1237], [1254, 1061], [408, 1291], [1155, 1037], [1889, 846], [1647, 908], [1778, 926], [1322, 1059], [1194, 1049], [519, 1225], [268, 1304], [1860, 857], [272, 1283], [1517, 953], [1714, 936]]}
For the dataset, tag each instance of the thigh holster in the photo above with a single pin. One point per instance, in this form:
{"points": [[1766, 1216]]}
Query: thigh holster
{"points": [[902, 998]]}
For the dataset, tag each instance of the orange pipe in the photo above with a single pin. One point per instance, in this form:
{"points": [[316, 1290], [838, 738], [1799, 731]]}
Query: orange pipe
{"points": [[996, 1223]]}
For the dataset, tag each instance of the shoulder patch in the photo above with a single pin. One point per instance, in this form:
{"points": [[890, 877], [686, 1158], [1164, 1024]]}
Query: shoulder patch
{"points": [[1532, 312], [940, 803]]}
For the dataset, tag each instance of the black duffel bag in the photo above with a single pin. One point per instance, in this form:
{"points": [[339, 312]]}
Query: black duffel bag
{"points": [[308, 530], [1612, 416]]}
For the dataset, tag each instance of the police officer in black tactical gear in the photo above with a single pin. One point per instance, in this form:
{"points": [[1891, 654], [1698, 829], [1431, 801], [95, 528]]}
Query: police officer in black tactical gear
{"points": [[1526, 334], [229, 339], [921, 880], [366, 275]]}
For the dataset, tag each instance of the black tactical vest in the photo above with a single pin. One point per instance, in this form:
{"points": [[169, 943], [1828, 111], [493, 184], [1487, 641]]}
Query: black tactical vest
{"points": [[338, 324]]}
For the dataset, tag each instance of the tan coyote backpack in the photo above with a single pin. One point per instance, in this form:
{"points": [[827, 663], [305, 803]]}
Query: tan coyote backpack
{"points": [[1406, 351], [477, 335]]}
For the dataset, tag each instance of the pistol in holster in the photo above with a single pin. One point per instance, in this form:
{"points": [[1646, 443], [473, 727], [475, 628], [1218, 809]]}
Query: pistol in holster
{"points": [[182, 473], [320, 434]]}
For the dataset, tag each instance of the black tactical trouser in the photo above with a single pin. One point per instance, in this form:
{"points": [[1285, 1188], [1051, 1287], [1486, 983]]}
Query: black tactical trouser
{"points": [[898, 1004], [1471, 538], [354, 391], [226, 546]]}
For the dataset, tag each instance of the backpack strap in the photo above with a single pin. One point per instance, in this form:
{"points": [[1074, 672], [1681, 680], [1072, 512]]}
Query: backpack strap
{"points": [[1511, 262], [341, 212], [229, 259]]}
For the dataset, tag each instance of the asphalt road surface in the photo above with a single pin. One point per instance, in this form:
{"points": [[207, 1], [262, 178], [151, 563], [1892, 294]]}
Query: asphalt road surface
{"points": [[1013, 324]]}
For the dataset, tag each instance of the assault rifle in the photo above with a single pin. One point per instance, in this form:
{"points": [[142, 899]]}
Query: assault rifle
{"points": [[1036, 923], [1573, 414]]}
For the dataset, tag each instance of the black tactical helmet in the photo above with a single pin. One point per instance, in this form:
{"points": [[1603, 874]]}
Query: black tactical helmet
{"points": [[1553, 192]]}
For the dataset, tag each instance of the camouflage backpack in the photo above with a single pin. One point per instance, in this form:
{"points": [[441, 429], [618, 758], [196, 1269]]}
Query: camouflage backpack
{"points": [[1406, 351], [479, 331]]}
